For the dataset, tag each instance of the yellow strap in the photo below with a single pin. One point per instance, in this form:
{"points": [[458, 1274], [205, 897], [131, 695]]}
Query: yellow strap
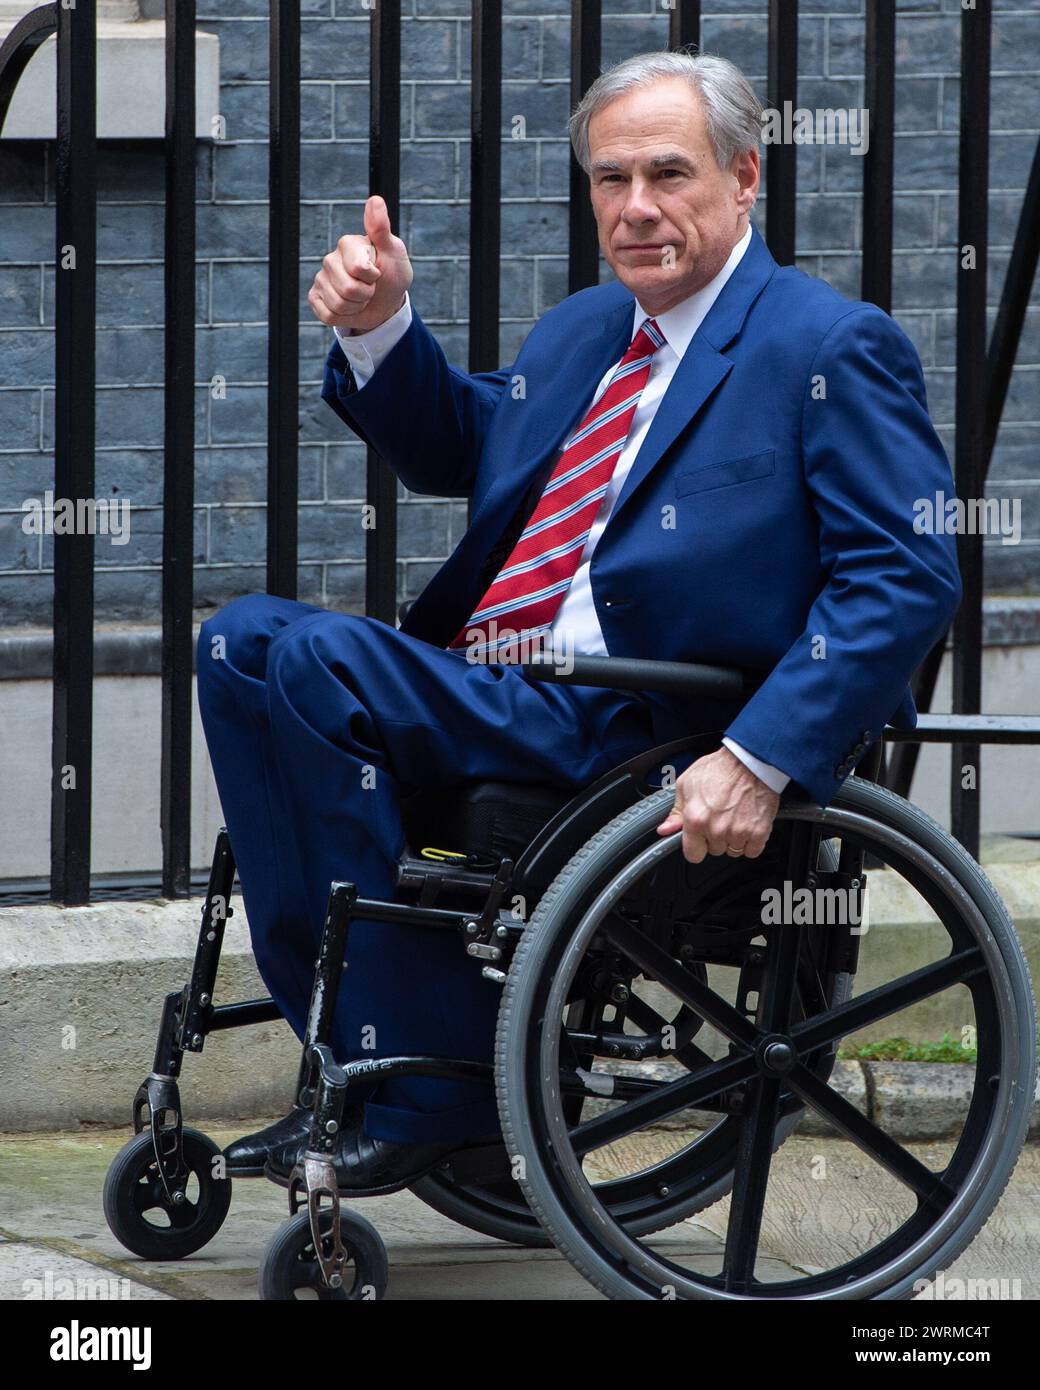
{"points": [[429, 852]]}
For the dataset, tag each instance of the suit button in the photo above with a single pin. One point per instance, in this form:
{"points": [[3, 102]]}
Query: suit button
{"points": [[840, 771]]}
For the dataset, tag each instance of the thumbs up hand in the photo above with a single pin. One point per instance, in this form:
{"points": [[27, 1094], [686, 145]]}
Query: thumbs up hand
{"points": [[363, 281]]}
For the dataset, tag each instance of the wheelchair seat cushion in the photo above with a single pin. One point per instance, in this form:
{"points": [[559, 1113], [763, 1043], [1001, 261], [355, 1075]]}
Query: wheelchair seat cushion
{"points": [[492, 819]]}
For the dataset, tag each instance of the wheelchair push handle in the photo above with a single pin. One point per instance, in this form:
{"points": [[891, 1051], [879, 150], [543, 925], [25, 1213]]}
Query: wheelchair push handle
{"points": [[639, 673]]}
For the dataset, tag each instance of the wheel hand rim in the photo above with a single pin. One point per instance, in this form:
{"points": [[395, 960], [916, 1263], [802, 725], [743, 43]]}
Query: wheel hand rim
{"points": [[931, 868]]}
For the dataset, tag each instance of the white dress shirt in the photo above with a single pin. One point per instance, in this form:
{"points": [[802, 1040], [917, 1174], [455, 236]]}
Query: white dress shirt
{"points": [[576, 615]]}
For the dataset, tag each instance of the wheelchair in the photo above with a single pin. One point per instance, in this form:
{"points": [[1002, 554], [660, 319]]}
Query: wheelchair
{"points": [[664, 1029]]}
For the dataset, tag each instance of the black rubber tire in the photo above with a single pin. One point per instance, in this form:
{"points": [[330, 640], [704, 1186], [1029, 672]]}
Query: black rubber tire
{"points": [[286, 1268], [551, 918], [471, 1207], [128, 1178]]}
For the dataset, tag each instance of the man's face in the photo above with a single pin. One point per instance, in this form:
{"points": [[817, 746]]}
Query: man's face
{"points": [[667, 215]]}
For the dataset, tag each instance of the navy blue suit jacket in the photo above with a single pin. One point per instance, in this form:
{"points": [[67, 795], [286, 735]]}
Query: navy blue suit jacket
{"points": [[766, 522]]}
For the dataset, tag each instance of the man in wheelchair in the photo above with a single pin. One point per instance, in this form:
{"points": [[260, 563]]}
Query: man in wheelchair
{"points": [[709, 458]]}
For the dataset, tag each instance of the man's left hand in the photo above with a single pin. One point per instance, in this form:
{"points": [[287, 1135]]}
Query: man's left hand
{"points": [[722, 808]]}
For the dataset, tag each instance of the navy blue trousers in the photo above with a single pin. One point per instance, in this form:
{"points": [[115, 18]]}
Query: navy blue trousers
{"points": [[317, 724]]}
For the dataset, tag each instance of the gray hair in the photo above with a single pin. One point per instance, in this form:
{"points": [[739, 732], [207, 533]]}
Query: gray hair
{"points": [[732, 111]]}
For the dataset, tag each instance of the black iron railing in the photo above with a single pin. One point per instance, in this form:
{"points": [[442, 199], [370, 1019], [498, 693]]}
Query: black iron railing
{"points": [[983, 369]]}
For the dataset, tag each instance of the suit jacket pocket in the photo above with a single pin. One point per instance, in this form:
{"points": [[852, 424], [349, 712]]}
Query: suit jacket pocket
{"points": [[739, 470]]}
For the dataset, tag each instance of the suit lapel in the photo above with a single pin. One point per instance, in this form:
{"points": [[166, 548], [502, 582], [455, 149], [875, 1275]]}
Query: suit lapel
{"points": [[702, 366], [582, 361]]}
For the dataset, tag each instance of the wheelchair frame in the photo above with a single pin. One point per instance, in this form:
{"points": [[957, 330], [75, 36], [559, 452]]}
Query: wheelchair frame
{"points": [[490, 935]]}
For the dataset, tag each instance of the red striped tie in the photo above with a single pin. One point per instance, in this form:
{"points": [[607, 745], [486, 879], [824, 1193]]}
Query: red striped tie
{"points": [[523, 599]]}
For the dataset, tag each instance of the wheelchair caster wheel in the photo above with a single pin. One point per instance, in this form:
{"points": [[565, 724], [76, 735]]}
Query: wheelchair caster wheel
{"points": [[139, 1212], [290, 1268]]}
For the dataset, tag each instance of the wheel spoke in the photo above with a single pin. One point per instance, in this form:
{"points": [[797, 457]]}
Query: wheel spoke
{"points": [[870, 1138], [887, 999], [659, 966], [183, 1214], [685, 1094], [750, 1180], [146, 1195], [644, 1015]]}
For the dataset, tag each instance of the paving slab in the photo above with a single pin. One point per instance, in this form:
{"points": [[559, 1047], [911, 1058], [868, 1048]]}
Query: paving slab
{"points": [[52, 1228]]}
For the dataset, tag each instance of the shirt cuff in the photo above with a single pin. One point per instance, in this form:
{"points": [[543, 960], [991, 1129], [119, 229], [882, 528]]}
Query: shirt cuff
{"points": [[365, 351], [774, 779]]}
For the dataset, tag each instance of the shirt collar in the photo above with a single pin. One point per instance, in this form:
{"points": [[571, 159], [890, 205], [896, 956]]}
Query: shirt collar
{"points": [[681, 322]]}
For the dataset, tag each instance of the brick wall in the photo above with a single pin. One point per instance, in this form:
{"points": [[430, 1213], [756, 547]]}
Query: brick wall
{"points": [[231, 281]]}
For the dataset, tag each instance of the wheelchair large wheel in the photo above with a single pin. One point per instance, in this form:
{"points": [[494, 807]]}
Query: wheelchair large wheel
{"points": [[668, 1189], [918, 1217]]}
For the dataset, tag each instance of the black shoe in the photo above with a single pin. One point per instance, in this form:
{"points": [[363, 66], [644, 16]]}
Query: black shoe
{"points": [[283, 1155], [377, 1166], [246, 1157]]}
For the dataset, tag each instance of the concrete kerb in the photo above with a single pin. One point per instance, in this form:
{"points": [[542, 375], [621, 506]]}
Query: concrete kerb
{"points": [[81, 992]]}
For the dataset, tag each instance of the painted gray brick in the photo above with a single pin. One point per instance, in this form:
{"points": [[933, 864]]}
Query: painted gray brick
{"points": [[26, 233], [28, 599], [422, 528], [240, 171], [1016, 452], [345, 468], [20, 296], [427, 169], [1014, 99], [913, 220], [130, 233], [430, 47], [919, 103], [237, 535], [333, 49], [550, 282], [1004, 212], [545, 106], [18, 550], [133, 474], [241, 418], [345, 587], [22, 177], [335, 171], [332, 532], [24, 475], [1014, 569], [27, 355], [535, 227], [436, 229], [240, 292], [20, 413], [350, 110], [1016, 40], [129, 355], [237, 353], [828, 221]]}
